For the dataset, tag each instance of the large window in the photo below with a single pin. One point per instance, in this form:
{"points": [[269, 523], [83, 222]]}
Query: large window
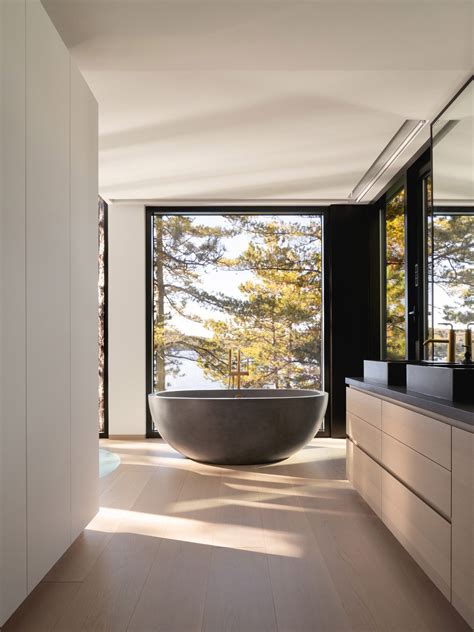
{"points": [[103, 338], [395, 276], [450, 276], [236, 281]]}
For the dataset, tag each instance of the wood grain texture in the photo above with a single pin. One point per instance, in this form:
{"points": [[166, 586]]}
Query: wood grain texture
{"points": [[350, 461], [239, 594], [424, 434], [423, 532], [367, 479], [380, 585], [107, 597], [181, 546], [463, 524], [43, 608], [425, 477], [365, 435], [305, 595], [366, 407]]}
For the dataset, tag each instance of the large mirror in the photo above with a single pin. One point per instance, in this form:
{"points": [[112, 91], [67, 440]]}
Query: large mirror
{"points": [[449, 212]]}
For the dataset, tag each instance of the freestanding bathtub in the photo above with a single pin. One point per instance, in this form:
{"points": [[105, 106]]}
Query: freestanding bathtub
{"points": [[257, 426]]}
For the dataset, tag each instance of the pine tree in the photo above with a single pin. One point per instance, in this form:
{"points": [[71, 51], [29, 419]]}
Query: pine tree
{"points": [[277, 322], [182, 250]]}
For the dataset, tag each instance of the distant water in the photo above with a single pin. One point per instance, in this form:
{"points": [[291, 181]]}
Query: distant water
{"points": [[193, 378]]}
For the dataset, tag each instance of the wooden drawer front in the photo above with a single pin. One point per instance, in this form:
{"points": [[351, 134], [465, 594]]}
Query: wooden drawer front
{"points": [[366, 436], [350, 460], [366, 478], [428, 479], [423, 532], [463, 524], [424, 434], [364, 406]]}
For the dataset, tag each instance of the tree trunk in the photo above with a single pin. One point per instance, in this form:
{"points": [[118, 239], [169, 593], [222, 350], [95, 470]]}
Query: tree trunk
{"points": [[160, 377], [275, 359]]}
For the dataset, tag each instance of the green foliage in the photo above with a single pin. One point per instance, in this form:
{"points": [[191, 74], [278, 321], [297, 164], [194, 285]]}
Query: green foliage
{"points": [[453, 264], [395, 276], [183, 249], [276, 321]]}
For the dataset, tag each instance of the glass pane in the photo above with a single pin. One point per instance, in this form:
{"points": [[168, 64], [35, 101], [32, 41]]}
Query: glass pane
{"points": [[451, 282], [429, 298], [244, 282], [395, 276], [102, 314]]}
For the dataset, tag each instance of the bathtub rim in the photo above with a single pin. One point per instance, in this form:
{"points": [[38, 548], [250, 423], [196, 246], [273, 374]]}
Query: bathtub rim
{"points": [[299, 394]]}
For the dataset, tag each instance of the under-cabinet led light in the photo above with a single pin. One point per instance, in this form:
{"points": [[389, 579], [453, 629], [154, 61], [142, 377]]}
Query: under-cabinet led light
{"points": [[408, 132]]}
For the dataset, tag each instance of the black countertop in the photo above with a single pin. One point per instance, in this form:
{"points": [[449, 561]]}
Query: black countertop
{"points": [[459, 415]]}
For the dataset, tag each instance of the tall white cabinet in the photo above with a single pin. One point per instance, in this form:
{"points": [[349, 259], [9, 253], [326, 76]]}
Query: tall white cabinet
{"points": [[48, 375], [48, 301], [13, 531]]}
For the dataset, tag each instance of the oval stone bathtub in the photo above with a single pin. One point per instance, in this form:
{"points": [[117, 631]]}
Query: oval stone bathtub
{"points": [[257, 426]]}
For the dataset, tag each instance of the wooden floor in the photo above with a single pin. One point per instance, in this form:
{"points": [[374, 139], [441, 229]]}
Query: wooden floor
{"points": [[181, 546]]}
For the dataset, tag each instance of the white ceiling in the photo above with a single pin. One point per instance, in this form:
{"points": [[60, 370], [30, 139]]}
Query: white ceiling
{"points": [[260, 99], [453, 152]]}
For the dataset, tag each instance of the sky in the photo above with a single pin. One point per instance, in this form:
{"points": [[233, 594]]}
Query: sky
{"points": [[218, 280], [213, 281]]}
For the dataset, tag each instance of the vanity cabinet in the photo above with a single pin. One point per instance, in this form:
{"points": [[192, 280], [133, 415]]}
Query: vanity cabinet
{"points": [[462, 523], [430, 481], [416, 473], [424, 434], [422, 531], [365, 434], [366, 407], [366, 476]]}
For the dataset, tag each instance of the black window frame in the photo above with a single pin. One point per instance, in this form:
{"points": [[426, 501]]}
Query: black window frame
{"points": [[151, 211], [411, 178]]}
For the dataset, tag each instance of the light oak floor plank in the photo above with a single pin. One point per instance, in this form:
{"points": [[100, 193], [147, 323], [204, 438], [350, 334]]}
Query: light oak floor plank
{"points": [[305, 596], [239, 594], [381, 587], [108, 596], [44, 606], [180, 546], [174, 593]]}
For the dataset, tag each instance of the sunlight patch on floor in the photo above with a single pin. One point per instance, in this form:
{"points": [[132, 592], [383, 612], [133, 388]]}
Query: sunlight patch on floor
{"points": [[192, 531]]}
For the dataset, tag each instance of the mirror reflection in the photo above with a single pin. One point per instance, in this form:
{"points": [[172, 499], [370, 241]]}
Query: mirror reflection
{"points": [[449, 212]]}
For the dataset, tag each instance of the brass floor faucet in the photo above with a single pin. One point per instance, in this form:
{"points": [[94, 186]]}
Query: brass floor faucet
{"points": [[450, 341], [236, 373]]}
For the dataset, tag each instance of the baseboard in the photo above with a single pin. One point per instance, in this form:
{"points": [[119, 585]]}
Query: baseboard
{"points": [[126, 437]]}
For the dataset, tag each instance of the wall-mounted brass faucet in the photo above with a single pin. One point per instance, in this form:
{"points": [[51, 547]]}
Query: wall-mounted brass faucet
{"points": [[450, 341], [468, 344], [236, 373]]}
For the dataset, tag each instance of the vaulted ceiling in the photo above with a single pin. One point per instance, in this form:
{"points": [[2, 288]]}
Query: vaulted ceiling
{"points": [[260, 99]]}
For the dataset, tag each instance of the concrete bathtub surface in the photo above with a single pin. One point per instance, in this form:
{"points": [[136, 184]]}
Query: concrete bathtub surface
{"points": [[257, 426]]}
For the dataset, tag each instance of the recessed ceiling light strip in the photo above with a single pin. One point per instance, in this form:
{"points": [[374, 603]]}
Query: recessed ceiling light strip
{"points": [[227, 201], [404, 136]]}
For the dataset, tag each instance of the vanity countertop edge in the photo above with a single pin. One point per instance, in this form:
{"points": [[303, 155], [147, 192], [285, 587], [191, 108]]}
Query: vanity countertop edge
{"points": [[457, 415]]}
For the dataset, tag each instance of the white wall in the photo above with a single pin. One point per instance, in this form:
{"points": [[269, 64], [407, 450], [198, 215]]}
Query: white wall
{"points": [[48, 376], [48, 301], [84, 298], [126, 320], [13, 309]]}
